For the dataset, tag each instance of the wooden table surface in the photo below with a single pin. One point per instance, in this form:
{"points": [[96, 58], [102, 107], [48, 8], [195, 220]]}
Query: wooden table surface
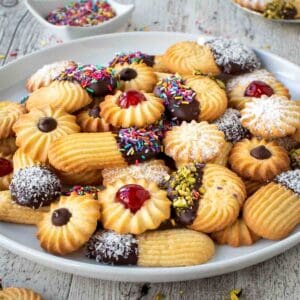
{"points": [[277, 278]]}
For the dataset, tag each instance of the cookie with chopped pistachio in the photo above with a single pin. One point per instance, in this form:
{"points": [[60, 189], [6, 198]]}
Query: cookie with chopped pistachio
{"points": [[205, 197]]}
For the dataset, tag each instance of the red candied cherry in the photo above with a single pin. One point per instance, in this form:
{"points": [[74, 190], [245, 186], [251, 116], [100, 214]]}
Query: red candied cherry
{"points": [[131, 97], [5, 167], [257, 89], [132, 196]]}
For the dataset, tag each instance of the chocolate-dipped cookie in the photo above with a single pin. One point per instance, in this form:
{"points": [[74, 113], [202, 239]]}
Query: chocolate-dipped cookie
{"points": [[161, 248], [98, 81], [233, 57], [229, 123], [109, 247], [205, 197], [35, 187]]}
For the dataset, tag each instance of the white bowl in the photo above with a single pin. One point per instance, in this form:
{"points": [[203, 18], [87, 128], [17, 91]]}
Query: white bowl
{"points": [[21, 239], [41, 8]]}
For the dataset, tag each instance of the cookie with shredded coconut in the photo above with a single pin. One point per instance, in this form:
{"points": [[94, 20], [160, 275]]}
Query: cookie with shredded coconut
{"points": [[233, 57], [271, 117], [109, 247], [290, 179], [35, 187], [230, 124]]}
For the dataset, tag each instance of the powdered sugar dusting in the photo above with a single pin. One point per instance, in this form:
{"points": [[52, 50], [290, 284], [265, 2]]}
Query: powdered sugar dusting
{"points": [[290, 179], [246, 79], [265, 113], [231, 52], [229, 123], [199, 140], [35, 186], [51, 71], [153, 170], [109, 245]]}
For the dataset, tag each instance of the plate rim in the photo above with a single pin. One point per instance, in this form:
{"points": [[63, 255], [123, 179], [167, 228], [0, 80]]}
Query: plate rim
{"points": [[142, 274]]}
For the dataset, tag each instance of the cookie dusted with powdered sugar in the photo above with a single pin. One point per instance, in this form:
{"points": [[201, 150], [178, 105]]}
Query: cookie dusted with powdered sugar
{"points": [[271, 117]]}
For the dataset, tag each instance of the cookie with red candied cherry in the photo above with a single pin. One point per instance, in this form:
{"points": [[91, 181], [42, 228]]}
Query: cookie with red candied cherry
{"points": [[241, 89], [6, 171], [131, 108], [133, 206]]}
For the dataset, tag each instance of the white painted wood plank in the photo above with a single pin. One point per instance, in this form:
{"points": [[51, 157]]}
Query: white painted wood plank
{"points": [[277, 278], [19, 272]]}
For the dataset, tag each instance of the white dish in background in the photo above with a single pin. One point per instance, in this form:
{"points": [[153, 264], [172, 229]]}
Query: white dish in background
{"points": [[259, 14], [21, 239], [41, 8]]}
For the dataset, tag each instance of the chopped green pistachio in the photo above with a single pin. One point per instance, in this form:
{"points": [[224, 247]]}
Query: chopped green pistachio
{"points": [[280, 9], [234, 294], [180, 203], [202, 190]]}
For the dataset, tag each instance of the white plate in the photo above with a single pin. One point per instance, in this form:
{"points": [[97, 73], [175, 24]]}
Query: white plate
{"points": [[259, 14], [41, 8], [21, 239]]}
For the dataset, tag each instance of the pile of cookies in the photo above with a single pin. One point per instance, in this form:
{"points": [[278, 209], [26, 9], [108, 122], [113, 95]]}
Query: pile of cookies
{"points": [[153, 159]]}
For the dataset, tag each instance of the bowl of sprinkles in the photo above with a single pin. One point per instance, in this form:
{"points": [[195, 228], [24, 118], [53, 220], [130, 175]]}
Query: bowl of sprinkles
{"points": [[79, 18]]}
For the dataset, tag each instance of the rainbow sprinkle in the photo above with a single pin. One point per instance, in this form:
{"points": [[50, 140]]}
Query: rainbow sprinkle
{"points": [[173, 87], [82, 13], [139, 141], [132, 57], [24, 99], [83, 190], [86, 75], [163, 125]]}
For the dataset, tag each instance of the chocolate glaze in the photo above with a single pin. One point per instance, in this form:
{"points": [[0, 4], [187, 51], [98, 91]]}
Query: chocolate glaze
{"points": [[260, 152], [47, 124], [184, 112], [289, 13], [169, 225], [139, 155], [104, 251], [186, 216], [27, 188], [132, 258], [149, 60], [127, 74], [61, 217], [180, 111], [169, 161], [102, 87]]}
